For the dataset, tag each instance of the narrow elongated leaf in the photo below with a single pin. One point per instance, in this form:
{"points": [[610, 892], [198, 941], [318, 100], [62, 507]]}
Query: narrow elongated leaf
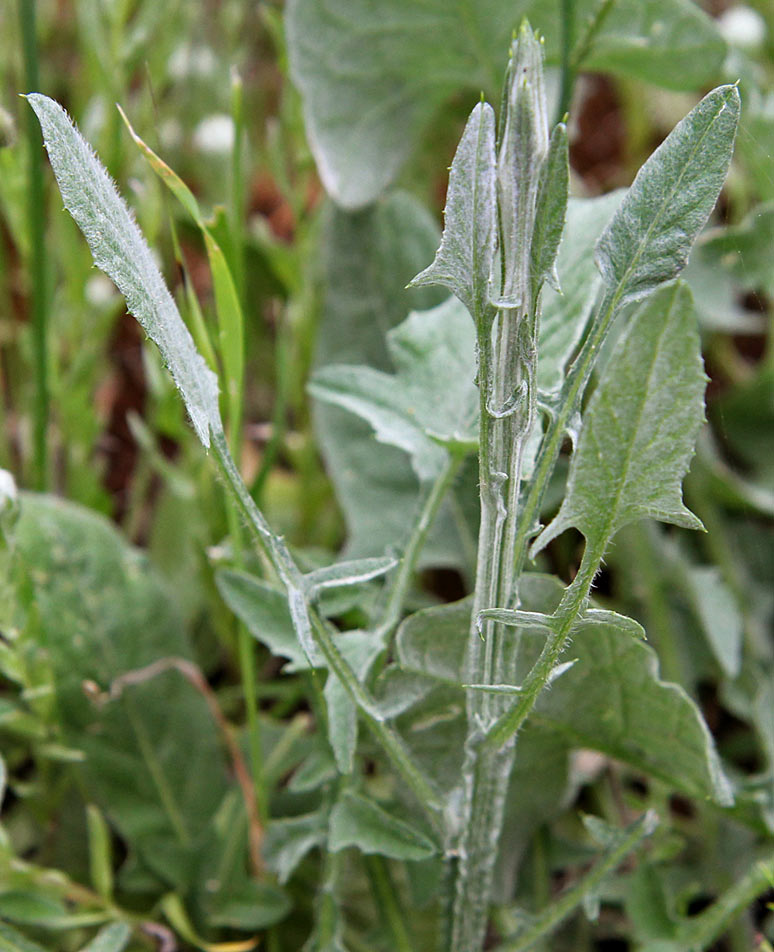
{"points": [[358, 821], [640, 427], [463, 263], [227, 304], [120, 250], [650, 236], [431, 400], [551, 211], [345, 574], [721, 618]]}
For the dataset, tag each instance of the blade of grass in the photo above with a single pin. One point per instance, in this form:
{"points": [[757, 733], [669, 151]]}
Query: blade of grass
{"points": [[38, 288]]}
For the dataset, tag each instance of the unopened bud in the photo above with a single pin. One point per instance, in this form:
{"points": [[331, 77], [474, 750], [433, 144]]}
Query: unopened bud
{"points": [[523, 149]]}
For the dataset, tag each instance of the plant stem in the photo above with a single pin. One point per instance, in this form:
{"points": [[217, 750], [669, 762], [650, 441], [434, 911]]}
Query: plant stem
{"points": [[710, 924], [558, 911], [388, 901], [570, 607], [37, 236], [507, 376], [405, 571], [279, 561], [567, 73]]}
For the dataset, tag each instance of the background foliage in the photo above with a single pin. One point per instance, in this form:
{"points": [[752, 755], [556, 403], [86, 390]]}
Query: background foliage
{"points": [[143, 803]]}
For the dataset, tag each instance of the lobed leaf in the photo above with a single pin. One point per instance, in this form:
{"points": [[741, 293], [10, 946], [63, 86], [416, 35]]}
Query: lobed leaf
{"points": [[432, 400], [120, 250], [640, 427], [651, 234], [358, 821]]}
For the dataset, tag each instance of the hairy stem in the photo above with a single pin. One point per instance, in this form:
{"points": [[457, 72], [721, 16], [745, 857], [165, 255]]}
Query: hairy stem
{"points": [[280, 562], [402, 580]]}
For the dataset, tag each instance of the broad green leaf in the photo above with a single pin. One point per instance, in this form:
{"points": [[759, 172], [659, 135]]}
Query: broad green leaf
{"points": [[368, 259], [640, 427], [358, 821], [288, 841], [669, 43], [372, 76], [650, 236], [111, 938], [721, 619], [253, 905], [100, 612], [565, 313], [227, 304], [120, 250], [31, 909], [463, 262], [431, 401], [611, 700], [263, 609], [746, 249]]}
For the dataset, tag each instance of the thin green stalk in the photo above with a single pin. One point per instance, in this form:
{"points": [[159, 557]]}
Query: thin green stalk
{"points": [[578, 377], [400, 583], [280, 562], [282, 363], [570, 607], [37, 235], [388, 903], [567, 73], [709, 925], [553, 916], [238, 190]]}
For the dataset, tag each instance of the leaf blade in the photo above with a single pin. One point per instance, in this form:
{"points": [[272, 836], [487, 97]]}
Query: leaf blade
{"points": [[640, 427], [651, 234], [120, 250]]}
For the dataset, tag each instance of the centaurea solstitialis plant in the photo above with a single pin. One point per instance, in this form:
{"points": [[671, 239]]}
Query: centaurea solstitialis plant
{"points": [[506, 208]]}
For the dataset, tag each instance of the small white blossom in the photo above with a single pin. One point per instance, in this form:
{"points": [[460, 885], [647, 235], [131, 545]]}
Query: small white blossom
{"points": [[188, 62], [742, 27], [214, 135], [99, 290]]}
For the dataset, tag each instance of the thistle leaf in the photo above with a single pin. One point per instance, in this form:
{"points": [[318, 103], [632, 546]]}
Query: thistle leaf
{"points": [[640, 428], [650, 237]]}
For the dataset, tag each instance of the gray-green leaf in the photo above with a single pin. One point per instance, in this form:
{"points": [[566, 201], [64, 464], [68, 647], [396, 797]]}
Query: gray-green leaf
{"points": [[120, 250], [650, 236], [463, 263], [358, 821], [432, 400], [372, 75], [640, 427]]}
